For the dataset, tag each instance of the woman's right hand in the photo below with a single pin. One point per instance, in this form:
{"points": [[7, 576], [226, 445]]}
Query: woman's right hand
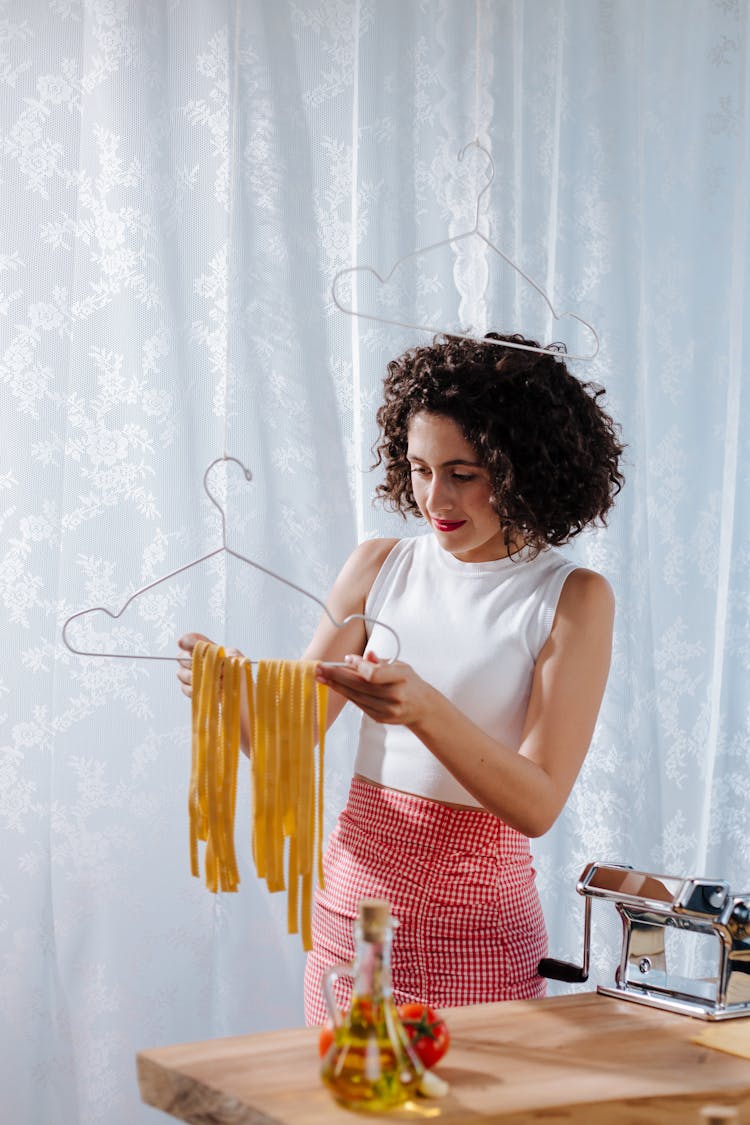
{"points": [[185, 675], [185, 667]]}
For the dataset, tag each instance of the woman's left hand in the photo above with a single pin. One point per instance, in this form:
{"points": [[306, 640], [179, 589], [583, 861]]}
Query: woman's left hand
{"points": [[387, 692]]}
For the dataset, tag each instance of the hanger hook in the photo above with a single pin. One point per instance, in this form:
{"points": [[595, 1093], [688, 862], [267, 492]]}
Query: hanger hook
{"points": [[212, 498], [490, 174]]}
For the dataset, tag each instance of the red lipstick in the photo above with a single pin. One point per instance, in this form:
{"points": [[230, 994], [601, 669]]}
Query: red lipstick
{"points": [[447, 525]]}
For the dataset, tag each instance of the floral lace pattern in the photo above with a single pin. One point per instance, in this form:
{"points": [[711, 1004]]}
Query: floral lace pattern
{"points": [[181, 183]]}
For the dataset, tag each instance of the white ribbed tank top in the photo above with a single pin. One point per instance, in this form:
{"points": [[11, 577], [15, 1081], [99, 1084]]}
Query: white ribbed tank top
{"points": [[472, 630]]}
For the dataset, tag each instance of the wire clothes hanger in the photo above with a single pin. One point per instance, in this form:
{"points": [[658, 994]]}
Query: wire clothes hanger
{"points": [[224, 548], [473, 233]]}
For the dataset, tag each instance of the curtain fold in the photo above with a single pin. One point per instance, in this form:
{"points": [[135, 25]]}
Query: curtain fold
{"points": [[181, 184]]}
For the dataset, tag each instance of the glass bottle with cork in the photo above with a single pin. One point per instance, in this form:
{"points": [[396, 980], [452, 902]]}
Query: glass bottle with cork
{"points": [[370, 1064]]}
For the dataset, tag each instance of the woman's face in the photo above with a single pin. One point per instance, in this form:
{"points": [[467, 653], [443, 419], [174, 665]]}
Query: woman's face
{"points": [[452, 489]]}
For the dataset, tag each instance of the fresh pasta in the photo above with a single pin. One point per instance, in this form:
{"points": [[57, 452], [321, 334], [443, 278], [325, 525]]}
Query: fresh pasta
{"points": [[215, 756], [286, 709]]}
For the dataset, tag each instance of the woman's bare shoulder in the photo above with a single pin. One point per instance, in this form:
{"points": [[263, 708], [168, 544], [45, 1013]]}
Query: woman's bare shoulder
{"points": [[589, 583], [351, 589], [365, 561], [373, 552], [586, 593]]}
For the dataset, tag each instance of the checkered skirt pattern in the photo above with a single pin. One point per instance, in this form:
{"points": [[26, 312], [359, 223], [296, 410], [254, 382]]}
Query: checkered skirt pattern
{"points": [[459, 881]]}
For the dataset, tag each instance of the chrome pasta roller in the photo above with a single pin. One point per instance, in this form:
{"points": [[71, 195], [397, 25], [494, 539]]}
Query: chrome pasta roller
{"points": [[700, 921]]}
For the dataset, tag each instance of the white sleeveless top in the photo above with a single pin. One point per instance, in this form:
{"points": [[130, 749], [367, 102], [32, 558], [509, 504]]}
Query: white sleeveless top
{"points": [[472, 630]]}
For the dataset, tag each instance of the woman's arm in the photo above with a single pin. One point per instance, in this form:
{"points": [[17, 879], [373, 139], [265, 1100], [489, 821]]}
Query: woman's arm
{"points": [[185, 675], [348, 596], [527, 789]]}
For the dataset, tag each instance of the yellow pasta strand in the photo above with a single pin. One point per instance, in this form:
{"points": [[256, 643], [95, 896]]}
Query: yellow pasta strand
{"points": [[231, 714], [250, 697], [206, 700], [282, 744], [213, 780], [306, 775], [321, 699], [306, 911], [286, 737], [274, 839], [212, 771], [295, 729], [196, 716], [259, 769], [292, 905]]}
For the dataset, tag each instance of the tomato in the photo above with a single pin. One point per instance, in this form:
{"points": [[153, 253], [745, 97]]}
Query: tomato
{"points": [[325, 1038], [427, 1031]]}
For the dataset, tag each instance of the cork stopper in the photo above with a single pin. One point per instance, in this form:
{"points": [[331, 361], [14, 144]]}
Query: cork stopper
{"points": [[374, 918]]}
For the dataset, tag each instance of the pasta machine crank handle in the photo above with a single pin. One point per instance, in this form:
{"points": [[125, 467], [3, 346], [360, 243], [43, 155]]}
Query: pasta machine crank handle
{"points": [[566, 971]]}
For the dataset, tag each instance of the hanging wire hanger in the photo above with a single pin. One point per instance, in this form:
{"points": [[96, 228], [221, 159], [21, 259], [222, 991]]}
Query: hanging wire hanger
{"points": [[473, 233], [224, 548]]}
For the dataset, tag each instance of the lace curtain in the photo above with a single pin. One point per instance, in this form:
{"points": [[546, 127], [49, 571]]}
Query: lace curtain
{"points": [[181, 183]]}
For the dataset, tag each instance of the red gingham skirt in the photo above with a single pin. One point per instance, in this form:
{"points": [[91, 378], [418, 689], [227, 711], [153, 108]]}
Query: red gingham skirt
{"points": [[459, 881]]}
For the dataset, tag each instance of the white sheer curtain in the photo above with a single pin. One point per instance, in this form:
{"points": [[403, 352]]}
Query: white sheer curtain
{"points": [[180, 183]]}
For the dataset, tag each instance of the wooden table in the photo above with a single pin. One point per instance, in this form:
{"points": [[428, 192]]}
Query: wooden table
{"points": [[585, 1058]]}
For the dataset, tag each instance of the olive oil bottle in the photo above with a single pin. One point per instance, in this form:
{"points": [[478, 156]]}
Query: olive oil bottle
{"points": [[370, 1064]]}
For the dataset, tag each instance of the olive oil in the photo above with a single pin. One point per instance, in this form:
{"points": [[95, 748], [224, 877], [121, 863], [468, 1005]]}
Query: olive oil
{"points": [[370, 1064]]}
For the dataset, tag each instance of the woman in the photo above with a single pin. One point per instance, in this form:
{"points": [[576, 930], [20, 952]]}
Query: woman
{"points": [[471, 742]]}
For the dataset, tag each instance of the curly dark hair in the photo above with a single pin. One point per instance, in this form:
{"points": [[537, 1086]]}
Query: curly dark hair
{"points": [[551, 450]]}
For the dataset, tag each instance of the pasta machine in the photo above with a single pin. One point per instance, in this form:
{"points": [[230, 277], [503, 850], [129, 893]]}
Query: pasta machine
{"points": [[657, 913]]}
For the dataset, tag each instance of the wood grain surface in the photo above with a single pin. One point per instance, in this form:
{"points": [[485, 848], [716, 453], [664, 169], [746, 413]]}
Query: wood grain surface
{"points": [[584, 1058]]}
